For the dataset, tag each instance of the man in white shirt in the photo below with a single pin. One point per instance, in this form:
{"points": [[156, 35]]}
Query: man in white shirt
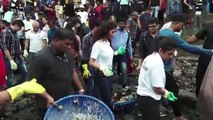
{"points": [[83, 14], [28, 22], [36, 39]]}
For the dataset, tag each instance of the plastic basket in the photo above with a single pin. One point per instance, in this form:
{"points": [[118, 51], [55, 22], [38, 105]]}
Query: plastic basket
{"points": [[126, 107], [79, 107]]}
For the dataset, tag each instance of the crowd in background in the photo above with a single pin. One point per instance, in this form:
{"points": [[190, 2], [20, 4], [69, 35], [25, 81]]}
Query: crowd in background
{"points": [[103, 34]]}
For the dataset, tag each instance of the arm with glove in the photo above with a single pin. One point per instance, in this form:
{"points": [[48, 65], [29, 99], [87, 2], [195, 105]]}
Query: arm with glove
{"points": [[106, 71], [169, 95], [121, 50], [26, 45], [86, 73], [13, 64], [165, 93], [29, 87]]}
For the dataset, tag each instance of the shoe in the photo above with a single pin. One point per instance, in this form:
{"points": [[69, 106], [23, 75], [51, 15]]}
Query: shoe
{"points": [[126, 88], [180, 118], [162, 114]]}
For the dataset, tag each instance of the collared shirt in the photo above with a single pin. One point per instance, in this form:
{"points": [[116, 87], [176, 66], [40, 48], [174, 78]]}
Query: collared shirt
{"points": [[54, 71], [121, 38], [87, 43], [10, 42], [146, 46], [36, 40], [103, 53]]}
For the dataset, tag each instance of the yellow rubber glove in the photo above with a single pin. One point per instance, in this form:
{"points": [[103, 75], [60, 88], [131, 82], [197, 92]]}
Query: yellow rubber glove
{"points": [[86, 73], [29, 87]]}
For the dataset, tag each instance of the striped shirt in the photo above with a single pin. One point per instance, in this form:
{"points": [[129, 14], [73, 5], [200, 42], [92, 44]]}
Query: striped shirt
{"points": [[9, 41]]}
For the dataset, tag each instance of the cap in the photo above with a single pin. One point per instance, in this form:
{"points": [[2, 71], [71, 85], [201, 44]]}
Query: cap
{"points": [[134, 13], [81, 6]]}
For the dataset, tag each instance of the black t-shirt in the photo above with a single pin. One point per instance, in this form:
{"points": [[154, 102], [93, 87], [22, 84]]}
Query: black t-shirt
{"points": [[146, 45], [155, 3], [53, 71], [206, 34], [185, 8]]}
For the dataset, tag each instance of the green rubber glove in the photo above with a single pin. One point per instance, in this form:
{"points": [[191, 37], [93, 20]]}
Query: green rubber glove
{"points": [[106, 71], [29, 87], [121, 50], [169, 95], [86, 73]]}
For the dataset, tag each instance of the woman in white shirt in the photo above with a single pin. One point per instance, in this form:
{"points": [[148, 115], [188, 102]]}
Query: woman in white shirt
{"points": [[101, 60], [152, 79]]}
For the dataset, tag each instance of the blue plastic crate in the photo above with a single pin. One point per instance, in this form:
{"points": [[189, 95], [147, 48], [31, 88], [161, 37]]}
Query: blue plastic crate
{"points": [[80, 107], [126, 107]]}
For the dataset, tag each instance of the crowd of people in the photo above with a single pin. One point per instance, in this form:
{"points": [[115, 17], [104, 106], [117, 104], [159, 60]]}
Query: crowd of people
{"points": [[57, 42]]}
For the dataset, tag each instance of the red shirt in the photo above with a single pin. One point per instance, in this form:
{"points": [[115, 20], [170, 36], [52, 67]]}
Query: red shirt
{"points": [[98, 8], [93, 18], [163, 4], [5, 4], [2, 70]]}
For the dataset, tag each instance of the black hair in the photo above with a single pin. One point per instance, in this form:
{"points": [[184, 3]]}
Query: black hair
{"points": [[5, 22], [178, 17], [69, 26], [45, 17], [153, 20], [18, 23], [63, 34], [121, 19], [52, 22], [164, 43], [76, 20], [75, 41], [97, 23]]}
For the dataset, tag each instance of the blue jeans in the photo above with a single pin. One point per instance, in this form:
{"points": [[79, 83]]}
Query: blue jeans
{"points": [[91, 87], [104, 85], [22, 70], [121, 61]]}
